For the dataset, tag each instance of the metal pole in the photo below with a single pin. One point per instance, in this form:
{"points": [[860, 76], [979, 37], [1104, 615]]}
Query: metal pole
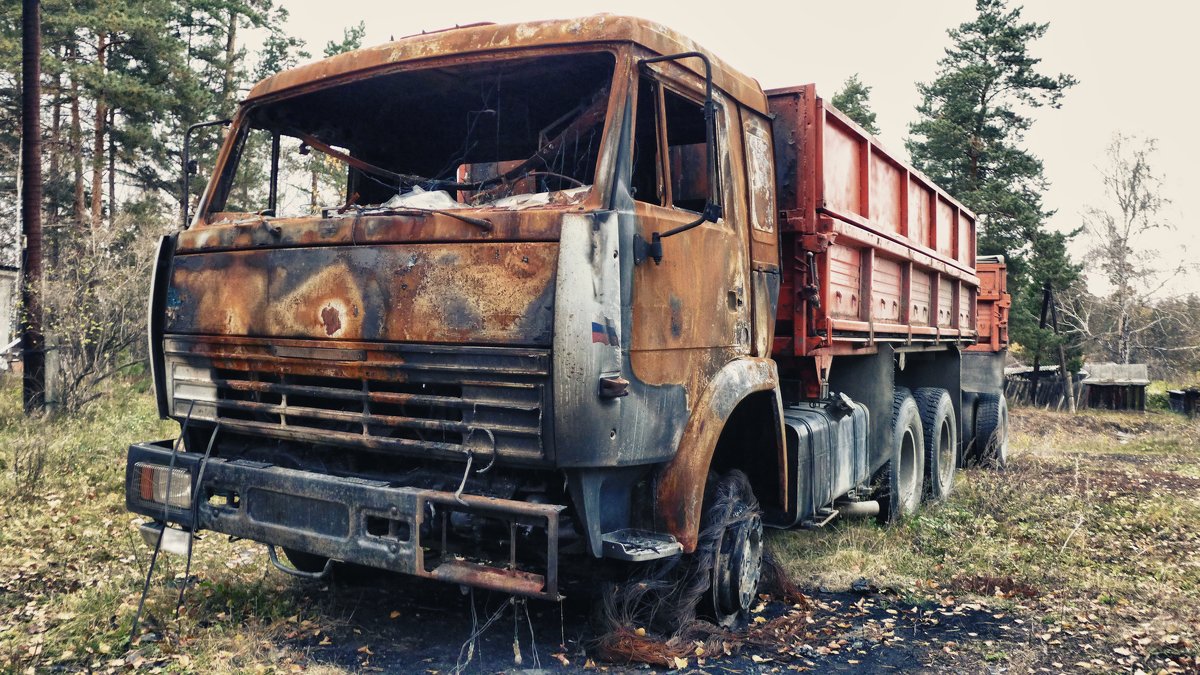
{"points": [[32, 341]]}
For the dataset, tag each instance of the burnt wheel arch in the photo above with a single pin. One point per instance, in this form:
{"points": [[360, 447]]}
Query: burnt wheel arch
{"points": [[748, 443]]}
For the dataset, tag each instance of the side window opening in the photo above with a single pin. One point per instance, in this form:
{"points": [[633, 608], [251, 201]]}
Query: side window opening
{"points": [[646, 181], [686, 152]]}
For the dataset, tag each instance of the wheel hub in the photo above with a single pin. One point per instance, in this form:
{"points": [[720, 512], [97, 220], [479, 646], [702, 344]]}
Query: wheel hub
{"points": [[946, 456], [909, 499], [739, 567]]}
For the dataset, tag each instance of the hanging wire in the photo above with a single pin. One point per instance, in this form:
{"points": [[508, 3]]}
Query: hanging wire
{"points": [[187, 570], [137, 617]]}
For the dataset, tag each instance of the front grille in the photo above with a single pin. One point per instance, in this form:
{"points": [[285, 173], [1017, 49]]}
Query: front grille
{"points": [[423, 400]]}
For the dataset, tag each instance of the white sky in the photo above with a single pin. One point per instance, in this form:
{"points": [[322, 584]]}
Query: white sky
{"points": [[1133, 61]]}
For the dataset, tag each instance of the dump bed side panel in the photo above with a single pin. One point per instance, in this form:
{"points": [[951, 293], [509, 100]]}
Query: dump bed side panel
{"points": [[873, 251], [992, 306]]}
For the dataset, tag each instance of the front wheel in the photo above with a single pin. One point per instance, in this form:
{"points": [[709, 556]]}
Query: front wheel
{"points": [[733, 532], [718, 581], [900, 480]]}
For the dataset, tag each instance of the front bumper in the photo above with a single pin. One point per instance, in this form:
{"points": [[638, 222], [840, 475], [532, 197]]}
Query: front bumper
{"points": [[372, 523]]}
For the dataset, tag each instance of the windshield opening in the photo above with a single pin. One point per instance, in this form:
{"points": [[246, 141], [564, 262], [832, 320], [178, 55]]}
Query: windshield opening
{"points": [[505, 134]]}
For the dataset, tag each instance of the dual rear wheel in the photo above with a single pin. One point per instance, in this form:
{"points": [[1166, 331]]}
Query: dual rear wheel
{"points": [[924, 444]]}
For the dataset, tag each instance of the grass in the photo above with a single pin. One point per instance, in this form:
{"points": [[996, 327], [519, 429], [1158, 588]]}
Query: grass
{"points": [[1097, 515], [1094, 528], [72, 564]]}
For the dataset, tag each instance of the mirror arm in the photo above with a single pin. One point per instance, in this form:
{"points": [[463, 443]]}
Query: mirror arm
{"points": [[187, 169], [712, 207]]}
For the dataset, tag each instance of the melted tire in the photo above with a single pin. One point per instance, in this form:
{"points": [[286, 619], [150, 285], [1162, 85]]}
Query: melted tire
{"points": [[940, 429], [733, 532]]}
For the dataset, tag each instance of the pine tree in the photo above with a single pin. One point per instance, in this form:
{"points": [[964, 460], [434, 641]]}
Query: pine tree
{"points": [[854, 99], [970, 140]]}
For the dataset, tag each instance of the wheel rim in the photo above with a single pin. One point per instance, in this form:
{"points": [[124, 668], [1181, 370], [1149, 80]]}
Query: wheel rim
{"points": [[907, 475], [740, 568], [946, 456]]}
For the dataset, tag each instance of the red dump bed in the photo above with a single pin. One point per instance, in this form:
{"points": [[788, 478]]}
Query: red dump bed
{"points": [[892, 255], [991, 309]]}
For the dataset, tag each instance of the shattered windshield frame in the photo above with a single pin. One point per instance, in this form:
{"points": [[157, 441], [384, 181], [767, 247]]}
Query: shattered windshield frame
{"points": [[523, 131]]}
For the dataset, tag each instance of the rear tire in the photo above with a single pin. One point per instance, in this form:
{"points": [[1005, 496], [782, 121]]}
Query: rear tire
{"points": [[941, 441], [900, 480], [991, 430]]}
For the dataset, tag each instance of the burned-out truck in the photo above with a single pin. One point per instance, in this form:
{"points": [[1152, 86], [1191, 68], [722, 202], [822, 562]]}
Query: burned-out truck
{"points": [[579, 290]]}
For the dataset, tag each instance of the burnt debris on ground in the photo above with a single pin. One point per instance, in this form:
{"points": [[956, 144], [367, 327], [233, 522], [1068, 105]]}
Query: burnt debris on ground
{"points": [[416, 626]]}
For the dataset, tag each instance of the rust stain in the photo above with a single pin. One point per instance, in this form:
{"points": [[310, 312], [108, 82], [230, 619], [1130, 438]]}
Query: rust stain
{"points": [[321, 306], [331, 318], [497, 292]]}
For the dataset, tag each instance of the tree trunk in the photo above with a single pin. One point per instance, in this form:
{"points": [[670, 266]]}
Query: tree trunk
{"points": [[314, 189], [112, 165], [76, 141], [56, 143], [98, 142], [228, 93]]}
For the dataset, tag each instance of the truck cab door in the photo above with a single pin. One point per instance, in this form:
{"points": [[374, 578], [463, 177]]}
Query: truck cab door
{"points": [[690, 313]]}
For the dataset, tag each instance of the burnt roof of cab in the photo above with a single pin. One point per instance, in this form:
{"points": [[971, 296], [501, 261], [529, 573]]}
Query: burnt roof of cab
{"points": [[479, 38]]}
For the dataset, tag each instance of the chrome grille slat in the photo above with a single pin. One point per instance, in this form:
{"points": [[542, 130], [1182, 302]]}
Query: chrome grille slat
{"points": [[290, 411], [376, 397], [422, 400]]}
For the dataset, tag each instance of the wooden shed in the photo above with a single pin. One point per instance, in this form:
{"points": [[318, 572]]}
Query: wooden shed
{"points": [[1115, 386]]}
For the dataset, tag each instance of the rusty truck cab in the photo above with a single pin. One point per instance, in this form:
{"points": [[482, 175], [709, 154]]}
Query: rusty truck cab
{"points": [[463, 333]]}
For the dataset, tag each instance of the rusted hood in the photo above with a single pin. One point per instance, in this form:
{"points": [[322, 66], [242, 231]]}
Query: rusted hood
{"points": [[498, 293]]}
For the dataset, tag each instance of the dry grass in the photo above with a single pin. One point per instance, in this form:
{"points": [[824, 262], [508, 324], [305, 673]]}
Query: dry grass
{"points": [[72, 564], [1094, 529], [1097, 515]]}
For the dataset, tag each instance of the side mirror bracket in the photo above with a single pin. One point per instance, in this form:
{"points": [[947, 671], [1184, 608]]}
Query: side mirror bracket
{"points": [[190, 167]]}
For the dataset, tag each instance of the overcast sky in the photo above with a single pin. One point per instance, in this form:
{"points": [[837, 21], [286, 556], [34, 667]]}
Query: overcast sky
{"points": [[1135, 63]]}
